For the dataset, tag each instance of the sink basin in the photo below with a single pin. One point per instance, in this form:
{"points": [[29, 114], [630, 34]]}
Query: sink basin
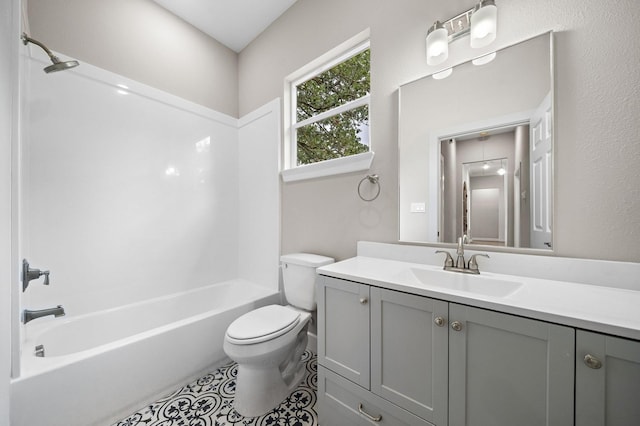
{"points": [[476, 284]]}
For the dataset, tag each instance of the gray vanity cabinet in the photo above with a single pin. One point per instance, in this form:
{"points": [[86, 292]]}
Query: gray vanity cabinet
{"points": [[506, 370], [607, 380], [383, 343], [388, 357]]}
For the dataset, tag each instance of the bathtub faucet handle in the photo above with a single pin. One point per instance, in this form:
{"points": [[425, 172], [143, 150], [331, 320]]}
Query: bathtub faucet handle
{"points": [[29, 274]]}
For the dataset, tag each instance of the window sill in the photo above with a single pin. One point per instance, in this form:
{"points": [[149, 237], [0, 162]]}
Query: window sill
{"points": [[352, 163]]}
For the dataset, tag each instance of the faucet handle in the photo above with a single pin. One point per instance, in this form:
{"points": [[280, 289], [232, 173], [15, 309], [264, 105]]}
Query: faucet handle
{"points": [[448, 262], [29, 273], [473, 263]]}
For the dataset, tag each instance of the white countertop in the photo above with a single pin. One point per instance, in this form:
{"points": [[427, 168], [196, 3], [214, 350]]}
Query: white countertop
{"points": [[608, 310]]}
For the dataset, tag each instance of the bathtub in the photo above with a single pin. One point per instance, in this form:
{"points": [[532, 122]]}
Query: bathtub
{"points": [[99, 367]]}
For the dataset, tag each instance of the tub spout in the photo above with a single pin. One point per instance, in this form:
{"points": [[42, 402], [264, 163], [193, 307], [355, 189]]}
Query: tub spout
{"points": [[29, 315]]}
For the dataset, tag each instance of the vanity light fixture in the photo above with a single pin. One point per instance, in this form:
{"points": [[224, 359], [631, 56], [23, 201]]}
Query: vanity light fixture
{"points": [[484, 59], [480, 22], [437, 44], [442, 74], [484, 20]]}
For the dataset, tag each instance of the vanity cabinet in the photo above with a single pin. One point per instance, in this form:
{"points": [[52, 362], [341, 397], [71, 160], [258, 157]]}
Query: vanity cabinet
{"points": [[388, 357], [380, 356], [508, 370], [607, 380]]}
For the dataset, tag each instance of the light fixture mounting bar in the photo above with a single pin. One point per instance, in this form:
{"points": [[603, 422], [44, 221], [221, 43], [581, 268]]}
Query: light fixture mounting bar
{"points": [[459, 25]]}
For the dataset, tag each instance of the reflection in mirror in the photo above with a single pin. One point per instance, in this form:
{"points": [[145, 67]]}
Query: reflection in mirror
{"points": [[476, 151]]}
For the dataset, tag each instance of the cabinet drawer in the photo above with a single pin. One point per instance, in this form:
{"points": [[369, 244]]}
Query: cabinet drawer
{"points": [[340, 403]]}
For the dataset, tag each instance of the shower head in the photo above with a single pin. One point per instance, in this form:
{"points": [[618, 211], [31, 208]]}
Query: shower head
{"points": [[58, 65]]}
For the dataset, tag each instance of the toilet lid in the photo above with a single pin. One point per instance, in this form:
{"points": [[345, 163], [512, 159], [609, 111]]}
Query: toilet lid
{"points": [[263, 324]]}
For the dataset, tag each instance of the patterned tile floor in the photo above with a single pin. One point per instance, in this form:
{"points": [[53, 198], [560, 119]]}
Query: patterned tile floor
{"points": [[208, 402]]}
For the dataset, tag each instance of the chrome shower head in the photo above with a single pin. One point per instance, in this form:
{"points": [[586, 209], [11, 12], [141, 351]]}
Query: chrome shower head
{"points": [[58, 65]]}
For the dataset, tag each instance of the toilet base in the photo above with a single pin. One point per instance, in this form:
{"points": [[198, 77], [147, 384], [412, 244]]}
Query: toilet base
{"points": [[254, 397], [260, 390]]}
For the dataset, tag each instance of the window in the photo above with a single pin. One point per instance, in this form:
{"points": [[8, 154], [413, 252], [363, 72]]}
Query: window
{"points": [[329, 109]]}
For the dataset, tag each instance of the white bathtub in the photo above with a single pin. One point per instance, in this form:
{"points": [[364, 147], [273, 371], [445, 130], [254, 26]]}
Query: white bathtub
{"points": [[101, 366]]}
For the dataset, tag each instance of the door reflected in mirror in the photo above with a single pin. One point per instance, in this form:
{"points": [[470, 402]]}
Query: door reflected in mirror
{"points": [[476, 149]]}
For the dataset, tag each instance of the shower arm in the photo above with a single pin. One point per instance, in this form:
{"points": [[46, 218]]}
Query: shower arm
{"points": [[26, 40]]}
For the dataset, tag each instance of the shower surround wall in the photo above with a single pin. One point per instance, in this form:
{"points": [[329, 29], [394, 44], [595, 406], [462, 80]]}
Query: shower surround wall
{"points": [[130, 193]]}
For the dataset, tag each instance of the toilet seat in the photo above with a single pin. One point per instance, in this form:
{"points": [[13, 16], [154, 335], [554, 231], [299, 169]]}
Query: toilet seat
{"points": [[262, 324]]}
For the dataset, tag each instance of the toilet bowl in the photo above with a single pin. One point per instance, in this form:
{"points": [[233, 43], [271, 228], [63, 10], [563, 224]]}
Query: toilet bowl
{"points": [[268, 343], [270, 368]]}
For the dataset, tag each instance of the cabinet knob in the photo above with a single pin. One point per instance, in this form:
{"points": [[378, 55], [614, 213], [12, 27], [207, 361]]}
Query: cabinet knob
{"points": [[439, 321], [592, 362], [363, 300], [456, 325]]}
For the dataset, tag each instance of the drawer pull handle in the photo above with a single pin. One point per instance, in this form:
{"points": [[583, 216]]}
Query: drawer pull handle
{"points": [[592, 362], [369, 416]]}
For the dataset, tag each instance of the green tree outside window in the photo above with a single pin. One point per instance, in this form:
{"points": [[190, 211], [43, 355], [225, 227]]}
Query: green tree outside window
{"points": [[345, 133]]}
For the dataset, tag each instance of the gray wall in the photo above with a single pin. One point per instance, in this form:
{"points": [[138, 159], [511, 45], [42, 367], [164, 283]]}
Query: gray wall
{"points": [[522, 159], [470, 150], [597, 100], [141, 40]]}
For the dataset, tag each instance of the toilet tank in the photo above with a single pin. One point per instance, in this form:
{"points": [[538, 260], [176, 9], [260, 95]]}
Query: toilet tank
{"points": [[299, 278]]}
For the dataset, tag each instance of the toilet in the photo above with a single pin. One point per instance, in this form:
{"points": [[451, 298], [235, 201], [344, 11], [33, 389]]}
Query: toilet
{"points": [[268, 342]]}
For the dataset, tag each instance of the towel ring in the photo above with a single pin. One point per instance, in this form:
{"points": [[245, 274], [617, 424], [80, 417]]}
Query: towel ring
{"points": [[374, 180]]}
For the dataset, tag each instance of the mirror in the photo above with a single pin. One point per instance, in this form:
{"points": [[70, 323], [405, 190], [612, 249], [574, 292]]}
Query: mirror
{"points": [[476, 151]]}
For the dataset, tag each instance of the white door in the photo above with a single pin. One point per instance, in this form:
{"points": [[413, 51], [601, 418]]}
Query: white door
{"points": [[541, 168]]}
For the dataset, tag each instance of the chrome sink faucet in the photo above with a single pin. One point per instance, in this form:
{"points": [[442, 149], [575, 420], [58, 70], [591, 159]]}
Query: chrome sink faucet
{"points": [[29, 315], [460, 264], [460, 251]]}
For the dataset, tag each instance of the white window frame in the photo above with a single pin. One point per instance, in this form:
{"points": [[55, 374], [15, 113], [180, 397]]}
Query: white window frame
{"points": [[292, 171]]}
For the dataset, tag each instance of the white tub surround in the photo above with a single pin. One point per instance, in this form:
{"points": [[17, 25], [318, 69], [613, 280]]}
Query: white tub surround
{"points": [[551, 289], [101, 366], [494, 348], [128, 194]]}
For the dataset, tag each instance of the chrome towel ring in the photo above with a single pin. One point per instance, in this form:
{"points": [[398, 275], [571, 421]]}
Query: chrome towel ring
{"points": [[374, 180]]}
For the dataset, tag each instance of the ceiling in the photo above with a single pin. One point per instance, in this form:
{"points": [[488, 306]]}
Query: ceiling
{"points": [[234, 23]]}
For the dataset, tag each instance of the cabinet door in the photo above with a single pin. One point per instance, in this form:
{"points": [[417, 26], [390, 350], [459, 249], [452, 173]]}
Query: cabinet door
{"points": [[506, 370], [409, 352], [343, 328], [607, 380]]}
